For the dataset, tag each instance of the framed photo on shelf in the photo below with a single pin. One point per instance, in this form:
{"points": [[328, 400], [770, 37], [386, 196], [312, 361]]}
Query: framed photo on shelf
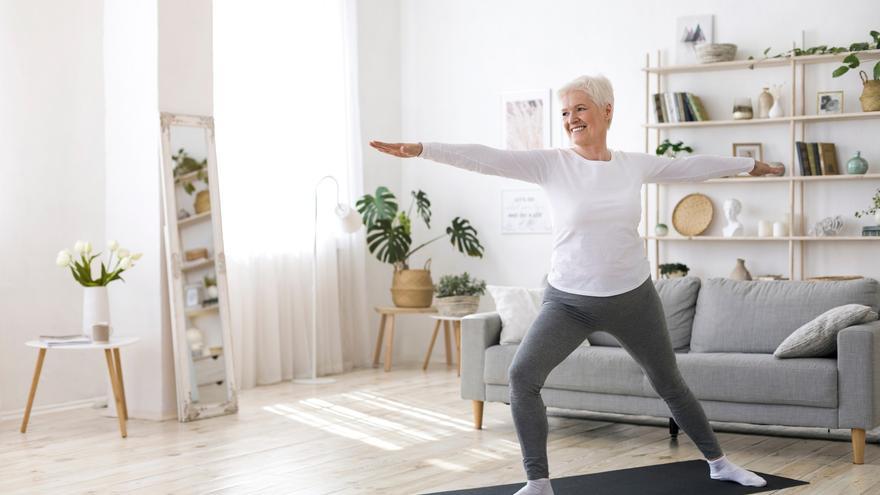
{"points": [[749, 150], [829, 102], [525, 120]]}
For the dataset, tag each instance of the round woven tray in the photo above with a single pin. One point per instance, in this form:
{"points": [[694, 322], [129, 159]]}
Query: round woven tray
{"points": [[692, 215]]}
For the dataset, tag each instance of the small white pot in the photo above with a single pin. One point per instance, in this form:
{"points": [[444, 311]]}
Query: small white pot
{"points": [[877, 217], [96, 308]]}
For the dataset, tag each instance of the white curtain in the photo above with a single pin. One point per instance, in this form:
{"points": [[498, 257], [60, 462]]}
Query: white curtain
{"points": [[285, 107]]}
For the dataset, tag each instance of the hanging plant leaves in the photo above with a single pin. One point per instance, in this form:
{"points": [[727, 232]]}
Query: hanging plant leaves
{"points": [[464, 237], [423, 205], [382, 206], [388, 242]]}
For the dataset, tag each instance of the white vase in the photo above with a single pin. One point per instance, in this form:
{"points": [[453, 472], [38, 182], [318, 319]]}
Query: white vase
{"points": [[96, 308], [877, 217], [776, 110]]}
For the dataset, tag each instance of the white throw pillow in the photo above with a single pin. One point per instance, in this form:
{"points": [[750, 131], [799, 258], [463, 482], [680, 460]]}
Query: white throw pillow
{"points": [[818, 337], [518, 308]]}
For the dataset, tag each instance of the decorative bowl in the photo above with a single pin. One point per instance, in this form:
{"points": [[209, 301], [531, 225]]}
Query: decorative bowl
{"points": [[708, 53]]}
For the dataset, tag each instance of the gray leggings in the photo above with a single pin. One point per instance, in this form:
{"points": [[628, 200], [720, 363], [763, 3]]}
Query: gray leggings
{"points": [[636, 319]]}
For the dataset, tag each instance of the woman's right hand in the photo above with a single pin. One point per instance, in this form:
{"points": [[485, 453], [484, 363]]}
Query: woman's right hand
{"points": [[402, 150]]}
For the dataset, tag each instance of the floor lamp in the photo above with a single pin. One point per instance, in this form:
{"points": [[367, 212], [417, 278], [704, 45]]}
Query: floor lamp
{"points": [[349, 221]]}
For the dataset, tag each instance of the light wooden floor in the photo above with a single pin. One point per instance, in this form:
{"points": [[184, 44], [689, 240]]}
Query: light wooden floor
{"points": [[371, 432]]}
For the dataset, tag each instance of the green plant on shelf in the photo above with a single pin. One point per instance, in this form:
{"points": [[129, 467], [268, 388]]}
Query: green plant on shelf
{"points": [[872, 210], [667, 269], [185, 164], [851, 61], [668, 148]]}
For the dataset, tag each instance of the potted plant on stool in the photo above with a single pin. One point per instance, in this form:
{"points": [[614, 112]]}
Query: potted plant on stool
{"points": [[458, 295], [389, 239]]}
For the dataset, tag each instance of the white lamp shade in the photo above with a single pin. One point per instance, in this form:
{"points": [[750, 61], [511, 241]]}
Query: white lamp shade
{"points": [[349, 219]]}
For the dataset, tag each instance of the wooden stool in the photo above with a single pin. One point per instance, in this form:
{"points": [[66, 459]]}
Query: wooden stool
{"points": [[456, 326], [388, 315]]}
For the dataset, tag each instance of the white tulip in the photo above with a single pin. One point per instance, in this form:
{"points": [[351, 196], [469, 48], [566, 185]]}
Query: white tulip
{"points": [[88, 247], [112, 246], [63, 259], [122, 253], [125, 263], [136, 256], [80, 246]]}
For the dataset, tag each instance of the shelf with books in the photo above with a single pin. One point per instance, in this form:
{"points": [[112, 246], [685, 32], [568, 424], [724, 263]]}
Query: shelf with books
{"points": [[657, 111]]}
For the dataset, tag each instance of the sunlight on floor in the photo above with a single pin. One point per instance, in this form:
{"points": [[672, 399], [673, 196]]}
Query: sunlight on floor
{"points": [[449, 466], [314, 421]]}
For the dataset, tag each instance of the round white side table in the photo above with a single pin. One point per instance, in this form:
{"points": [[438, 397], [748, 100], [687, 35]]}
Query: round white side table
{"points": [[114, 367]]}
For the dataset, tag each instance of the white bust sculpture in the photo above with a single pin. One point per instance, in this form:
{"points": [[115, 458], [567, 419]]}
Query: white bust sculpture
{"points": [[732, 208]]}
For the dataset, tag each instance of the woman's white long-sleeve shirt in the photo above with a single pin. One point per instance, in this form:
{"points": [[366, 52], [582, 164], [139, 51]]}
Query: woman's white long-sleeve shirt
{"points": [[595, 205]]}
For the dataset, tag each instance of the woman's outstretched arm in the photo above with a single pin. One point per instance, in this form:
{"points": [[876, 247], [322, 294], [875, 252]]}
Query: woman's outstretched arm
{"points": [[697, 168], [529, 166]]}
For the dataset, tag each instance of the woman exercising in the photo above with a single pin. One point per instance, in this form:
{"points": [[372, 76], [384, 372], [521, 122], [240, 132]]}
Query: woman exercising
{"points": [[599, 277]]}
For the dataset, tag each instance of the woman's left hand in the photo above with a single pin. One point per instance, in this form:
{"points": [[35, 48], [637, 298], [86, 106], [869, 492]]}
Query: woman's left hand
{"points": [[762, 168]]}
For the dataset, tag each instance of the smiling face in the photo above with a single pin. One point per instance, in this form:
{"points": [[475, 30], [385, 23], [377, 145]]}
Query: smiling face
{"points": [[585, 122]]}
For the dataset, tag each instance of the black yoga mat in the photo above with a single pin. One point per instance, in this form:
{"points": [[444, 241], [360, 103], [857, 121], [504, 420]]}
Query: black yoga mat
{"points": [[677, 478]]}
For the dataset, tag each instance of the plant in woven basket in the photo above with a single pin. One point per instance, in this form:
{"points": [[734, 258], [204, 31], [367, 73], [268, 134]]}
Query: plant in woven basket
{"points": [[185, 165], [670, 270], [668, 148], [389, 231], [459, 285]]}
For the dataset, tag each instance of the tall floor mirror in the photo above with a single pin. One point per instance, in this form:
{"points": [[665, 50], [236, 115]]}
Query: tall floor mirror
{"points": [[196, 268]]}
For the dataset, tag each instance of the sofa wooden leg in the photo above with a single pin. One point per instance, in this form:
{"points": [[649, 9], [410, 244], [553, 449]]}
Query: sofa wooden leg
{"points": [[478, 414], [858, 444], [673, 428]]}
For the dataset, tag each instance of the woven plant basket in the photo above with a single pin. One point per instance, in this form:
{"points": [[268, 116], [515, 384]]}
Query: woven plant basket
{"points": [[870, 98], [203, 202], [457, 305], [412, 288]]}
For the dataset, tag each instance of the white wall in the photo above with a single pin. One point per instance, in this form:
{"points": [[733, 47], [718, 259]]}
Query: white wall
{"points": [[457, 57], [51, 190]]}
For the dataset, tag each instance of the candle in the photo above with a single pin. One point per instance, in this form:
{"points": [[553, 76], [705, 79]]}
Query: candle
{"points": [[779, 229], [765, 228]]}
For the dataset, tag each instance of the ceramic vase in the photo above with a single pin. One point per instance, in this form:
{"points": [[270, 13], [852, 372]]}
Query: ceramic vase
{"points": [[96, 308], [776, 110], [740, 272], [857, 164], [765, 102]]}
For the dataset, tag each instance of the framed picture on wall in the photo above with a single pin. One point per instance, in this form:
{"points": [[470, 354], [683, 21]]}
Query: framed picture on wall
{"points": [[525, 211], [829, 102], [525, 120], [749, 150], [690, 31]]}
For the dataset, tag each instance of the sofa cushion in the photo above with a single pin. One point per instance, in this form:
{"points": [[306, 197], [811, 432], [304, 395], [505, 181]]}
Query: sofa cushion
{"points": [[818, 337], [756, 316], [518, 307], [607, 370], [679, 299], [760, 378]]}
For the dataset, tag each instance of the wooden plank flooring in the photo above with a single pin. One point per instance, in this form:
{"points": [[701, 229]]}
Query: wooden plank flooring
{"points": [[371, 432]]}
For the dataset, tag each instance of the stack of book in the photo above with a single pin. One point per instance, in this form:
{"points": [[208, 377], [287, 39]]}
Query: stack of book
{"points": [[817, 158], [871, 230], [678, 107], [60, 340]]}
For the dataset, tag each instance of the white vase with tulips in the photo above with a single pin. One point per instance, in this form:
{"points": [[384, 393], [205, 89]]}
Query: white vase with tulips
{"points": [[96, 305]]}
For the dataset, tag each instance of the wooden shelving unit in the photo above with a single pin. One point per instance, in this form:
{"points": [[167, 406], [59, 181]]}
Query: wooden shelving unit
{"points": [[797, 130]]}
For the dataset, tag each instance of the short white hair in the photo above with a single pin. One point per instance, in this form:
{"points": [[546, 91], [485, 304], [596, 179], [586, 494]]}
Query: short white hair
{"points": [[598, 88]]}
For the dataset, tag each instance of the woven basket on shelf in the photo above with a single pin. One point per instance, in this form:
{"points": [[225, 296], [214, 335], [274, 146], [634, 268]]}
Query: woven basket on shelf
{"points": [[203, 202], [457, 305], [692, 215], [708, 53], [870, 98]]}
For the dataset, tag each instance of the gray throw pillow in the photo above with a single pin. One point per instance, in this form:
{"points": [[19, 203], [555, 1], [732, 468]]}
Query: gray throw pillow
{"points": [[818, 337]]}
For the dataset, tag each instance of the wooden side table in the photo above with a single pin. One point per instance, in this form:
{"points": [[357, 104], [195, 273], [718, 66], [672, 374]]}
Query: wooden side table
{"points": [[114, 367], [455, 322], [388, 314]]}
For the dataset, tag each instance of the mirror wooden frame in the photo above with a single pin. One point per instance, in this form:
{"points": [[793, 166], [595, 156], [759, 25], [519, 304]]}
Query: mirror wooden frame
{"points": [[187, 408]]}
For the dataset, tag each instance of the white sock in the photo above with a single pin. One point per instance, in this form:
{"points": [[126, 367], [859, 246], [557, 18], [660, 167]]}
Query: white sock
{"points": [[723, 469], [536, 487]]}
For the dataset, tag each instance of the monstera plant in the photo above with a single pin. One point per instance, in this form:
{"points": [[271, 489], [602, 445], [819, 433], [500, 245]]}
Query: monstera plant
{"points": [[389, 231]]}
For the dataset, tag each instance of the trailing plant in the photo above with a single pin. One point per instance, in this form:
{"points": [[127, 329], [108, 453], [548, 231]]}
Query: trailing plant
{"points": [[389, 231], [872, 210], [185, 164], [851, 61], [667, 268], [667, 146], [459, 285]]}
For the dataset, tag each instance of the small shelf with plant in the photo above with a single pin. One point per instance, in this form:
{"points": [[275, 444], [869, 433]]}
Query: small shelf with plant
{"points": [[458, 295]]}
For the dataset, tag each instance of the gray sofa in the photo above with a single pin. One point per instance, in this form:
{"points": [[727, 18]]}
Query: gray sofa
{"points": [[724, 332]]}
